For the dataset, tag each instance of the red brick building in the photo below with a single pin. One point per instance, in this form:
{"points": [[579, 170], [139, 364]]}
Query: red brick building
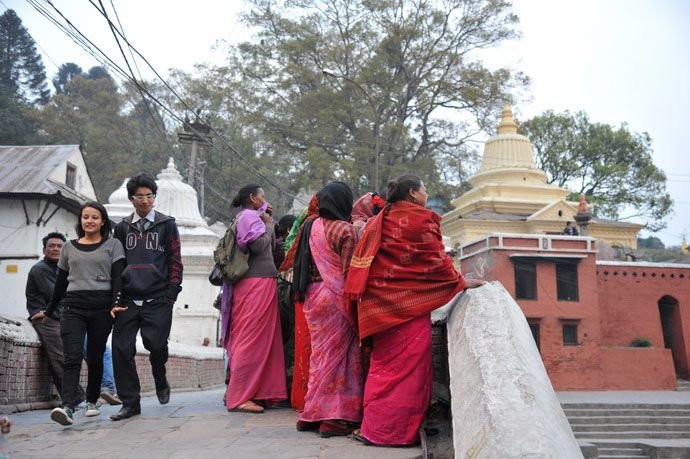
{"points": [[586, 314]]}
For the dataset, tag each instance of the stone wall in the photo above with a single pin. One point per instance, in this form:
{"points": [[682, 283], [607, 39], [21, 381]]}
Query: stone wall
{"points": [[25, 382]]}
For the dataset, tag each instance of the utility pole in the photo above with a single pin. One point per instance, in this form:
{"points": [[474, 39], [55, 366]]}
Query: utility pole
{"points": [[202, 187], [196, 133]]}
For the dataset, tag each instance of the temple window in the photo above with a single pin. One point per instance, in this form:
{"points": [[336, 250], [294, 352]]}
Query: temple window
{"points": [[570, 334], [566, 282], [534, 328], [525, 280]]}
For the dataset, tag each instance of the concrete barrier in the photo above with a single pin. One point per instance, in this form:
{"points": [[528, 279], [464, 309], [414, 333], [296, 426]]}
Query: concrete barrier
{"points": [[502, 402]]}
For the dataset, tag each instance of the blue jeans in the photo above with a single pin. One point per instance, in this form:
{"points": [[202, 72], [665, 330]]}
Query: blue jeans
{"points": [[108, 381]]}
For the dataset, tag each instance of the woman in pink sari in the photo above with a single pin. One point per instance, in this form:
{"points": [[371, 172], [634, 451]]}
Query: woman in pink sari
{"points": [[254, 345], [333, 403]]}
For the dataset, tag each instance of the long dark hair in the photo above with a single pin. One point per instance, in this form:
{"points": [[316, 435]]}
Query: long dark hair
{"points": [[106, 229], [399, 189], [242, 196]]}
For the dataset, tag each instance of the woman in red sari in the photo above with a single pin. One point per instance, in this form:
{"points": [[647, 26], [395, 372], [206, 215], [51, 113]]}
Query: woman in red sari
{"points": [[399, 274], [333, 402], [300, 372]]}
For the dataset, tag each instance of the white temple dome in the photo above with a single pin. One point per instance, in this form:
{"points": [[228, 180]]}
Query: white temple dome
{"points": [[508, 156], [174, 198], [119, 206], [177, 199]]}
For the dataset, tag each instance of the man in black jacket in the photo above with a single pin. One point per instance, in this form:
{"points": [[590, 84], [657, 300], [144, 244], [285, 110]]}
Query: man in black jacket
{"points": [[39, 290], [152, 281]]}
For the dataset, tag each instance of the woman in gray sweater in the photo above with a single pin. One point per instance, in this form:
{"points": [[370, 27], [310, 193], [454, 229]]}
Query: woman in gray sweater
{"points": [[88, 285]]}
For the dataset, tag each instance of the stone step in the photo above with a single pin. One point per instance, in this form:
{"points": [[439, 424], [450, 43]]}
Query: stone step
{"points": [[604, 435], [615, 406], [626, 412], [618, 452], [615, 428], [589, 420], [617, 444], [683, 385]]}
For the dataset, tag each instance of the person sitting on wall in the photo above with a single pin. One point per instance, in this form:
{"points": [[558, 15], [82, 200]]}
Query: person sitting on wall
{"points": [[570, 230]]}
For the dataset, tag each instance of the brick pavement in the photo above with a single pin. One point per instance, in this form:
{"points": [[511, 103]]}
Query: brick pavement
{"points": [[193, 425]]}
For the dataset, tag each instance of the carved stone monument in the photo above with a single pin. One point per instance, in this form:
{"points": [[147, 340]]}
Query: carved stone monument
{"points": [[503, 404]]}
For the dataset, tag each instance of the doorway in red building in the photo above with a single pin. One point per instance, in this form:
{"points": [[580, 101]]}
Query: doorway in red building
{"points": [[671, 326]]}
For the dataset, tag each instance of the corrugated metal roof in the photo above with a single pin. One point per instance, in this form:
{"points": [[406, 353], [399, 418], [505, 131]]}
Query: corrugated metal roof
{"points": [[26, 169]]}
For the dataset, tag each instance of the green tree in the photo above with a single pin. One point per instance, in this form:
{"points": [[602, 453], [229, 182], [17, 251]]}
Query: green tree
{"points": [[118, 142], [22, 83], [21, 69], [650, 242], [421, 90], [66, 72], [227, 171], [611, 166]]}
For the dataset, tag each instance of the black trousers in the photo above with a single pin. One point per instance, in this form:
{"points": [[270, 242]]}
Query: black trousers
{"points": [[74, 326], [49, 333], [153, 319]]}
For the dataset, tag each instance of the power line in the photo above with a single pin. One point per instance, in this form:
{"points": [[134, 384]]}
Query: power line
{"points": [[124, 56], [227, 144], [89, 46]]}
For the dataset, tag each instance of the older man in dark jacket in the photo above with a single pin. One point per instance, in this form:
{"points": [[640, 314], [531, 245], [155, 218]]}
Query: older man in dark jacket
{"points": [[39, 289]]}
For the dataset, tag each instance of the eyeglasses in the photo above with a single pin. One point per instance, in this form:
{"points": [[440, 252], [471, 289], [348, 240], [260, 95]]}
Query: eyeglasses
{"points": [[142, 197]]}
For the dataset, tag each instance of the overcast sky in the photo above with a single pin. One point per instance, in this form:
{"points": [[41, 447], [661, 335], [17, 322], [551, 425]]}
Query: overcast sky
{"points": [[618, 60]]}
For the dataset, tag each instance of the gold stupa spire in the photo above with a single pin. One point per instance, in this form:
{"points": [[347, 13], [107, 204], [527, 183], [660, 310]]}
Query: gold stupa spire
{"points": [[507, 125]]}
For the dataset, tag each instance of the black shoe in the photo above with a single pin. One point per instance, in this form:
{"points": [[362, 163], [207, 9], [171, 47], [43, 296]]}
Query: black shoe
{"points": [[164, 394], [126, 412]]}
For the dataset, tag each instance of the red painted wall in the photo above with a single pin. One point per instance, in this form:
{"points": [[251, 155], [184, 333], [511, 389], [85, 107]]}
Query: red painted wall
{"points": [[652, 369], [617, 303], [630, 295]]}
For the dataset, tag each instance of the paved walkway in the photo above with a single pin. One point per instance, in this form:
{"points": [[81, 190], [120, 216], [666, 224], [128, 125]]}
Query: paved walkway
{"points": [[193, 425]]}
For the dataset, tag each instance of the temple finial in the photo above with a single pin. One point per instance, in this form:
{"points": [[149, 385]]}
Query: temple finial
{"points": [[507, 125]]}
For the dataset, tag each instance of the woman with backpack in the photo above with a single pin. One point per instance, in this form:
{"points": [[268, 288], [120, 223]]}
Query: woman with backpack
{"points": [[254, 346]]}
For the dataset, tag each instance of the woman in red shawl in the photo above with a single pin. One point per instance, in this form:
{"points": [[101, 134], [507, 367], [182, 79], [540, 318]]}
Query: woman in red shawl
{"points": [[399, 274]]}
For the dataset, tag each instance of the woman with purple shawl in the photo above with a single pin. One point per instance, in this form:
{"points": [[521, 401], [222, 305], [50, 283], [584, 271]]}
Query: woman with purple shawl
{"points": [[251, 320]]}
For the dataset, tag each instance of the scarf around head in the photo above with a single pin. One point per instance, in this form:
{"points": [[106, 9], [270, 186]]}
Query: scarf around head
{"points": [[335, 203], [250, 226], [292, 241], [365, 208]]}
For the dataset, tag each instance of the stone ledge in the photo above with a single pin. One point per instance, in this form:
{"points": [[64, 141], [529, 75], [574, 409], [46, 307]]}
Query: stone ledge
{"points": [[25, 382]]}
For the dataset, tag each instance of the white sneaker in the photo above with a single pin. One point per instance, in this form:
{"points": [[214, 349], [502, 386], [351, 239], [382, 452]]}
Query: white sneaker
{"points": [[91, 409]]}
